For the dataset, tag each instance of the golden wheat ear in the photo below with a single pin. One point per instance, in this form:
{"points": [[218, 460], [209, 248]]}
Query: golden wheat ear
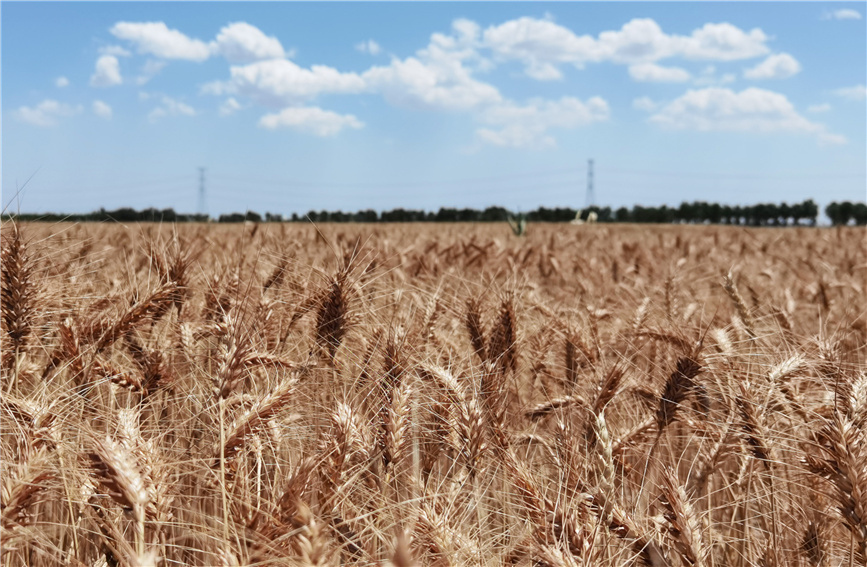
{"points": [[17, 292], [684, 525], [118, 470], [23, 488], [679, 384], [137, 314], [332, 314], [475, 327]]}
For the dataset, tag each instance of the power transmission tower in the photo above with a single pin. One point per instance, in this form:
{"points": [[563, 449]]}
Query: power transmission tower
{"points": [[591, 197], [202, 204]]}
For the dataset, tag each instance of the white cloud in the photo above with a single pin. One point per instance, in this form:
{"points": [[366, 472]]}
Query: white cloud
{"points": [[434, 85], [61, 82], [241, 42], [816, 108], [751, 110], [312, 120], [645, 103], [369, 46], [157, 39], [722, 42], [170, 107], [279, 82], [46, 113], [438, 77], [540, 44], [842, 14], [856, 93], [653, 73], [543, 71], [115, 50], [102, 109], [151, 68], [107, 73], [779, 66], [230, 106], [709, 78], [468, 32], [527, 126]]}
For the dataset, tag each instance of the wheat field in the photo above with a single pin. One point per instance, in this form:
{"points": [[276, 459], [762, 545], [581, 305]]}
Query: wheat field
{"points": [[433, 395]]}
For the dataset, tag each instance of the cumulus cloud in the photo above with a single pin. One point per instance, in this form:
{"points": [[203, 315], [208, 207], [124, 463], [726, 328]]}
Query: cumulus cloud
{"points": [[155, 38], [539, 44], [230, 106], [709, 77], [115, 50], [722, 42], [543, 44], [311, 120], [46, 113], [438, 77], [527, 126], [279, 82], [644, 103], [779, 66], [543, 71], [241, 42], [433, 85], [149, 70], [751, 110], [369, 46], [61, 82], [107, 73], [170, 107], [856, 93], [653, 73], [817, 108], [842, 14], [102, 109]]}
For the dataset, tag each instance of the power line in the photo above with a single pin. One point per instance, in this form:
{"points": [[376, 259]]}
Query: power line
{"points": [[720, 176], [398, 184], [591, 197]]}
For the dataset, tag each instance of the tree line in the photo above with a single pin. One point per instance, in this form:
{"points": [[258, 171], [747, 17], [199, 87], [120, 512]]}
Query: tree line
{"points": [[698, 212]]}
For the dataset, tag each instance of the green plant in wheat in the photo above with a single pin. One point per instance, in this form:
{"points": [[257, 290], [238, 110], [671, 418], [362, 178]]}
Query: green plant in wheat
{"points": [[518, 223]]}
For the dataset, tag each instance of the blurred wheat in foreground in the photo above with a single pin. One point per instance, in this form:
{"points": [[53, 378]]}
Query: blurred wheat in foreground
{"points": [[410, 395]]}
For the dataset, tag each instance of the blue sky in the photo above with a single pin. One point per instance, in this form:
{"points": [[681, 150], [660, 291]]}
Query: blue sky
{"points": [[299, 106]]}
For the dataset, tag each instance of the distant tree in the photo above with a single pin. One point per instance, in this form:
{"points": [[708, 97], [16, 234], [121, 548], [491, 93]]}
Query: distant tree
{"points": [[368, 215], [847, 212], [622, 214], [604, 214], [843, 213], [686, 213], [810, 211], [394, 215], [494, 214], [784, 213], [859, 213], [714, 213], [446, 214], [232, 217]]}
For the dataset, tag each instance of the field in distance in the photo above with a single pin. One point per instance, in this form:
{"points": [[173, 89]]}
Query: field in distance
{"points": [[436, 395]]}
